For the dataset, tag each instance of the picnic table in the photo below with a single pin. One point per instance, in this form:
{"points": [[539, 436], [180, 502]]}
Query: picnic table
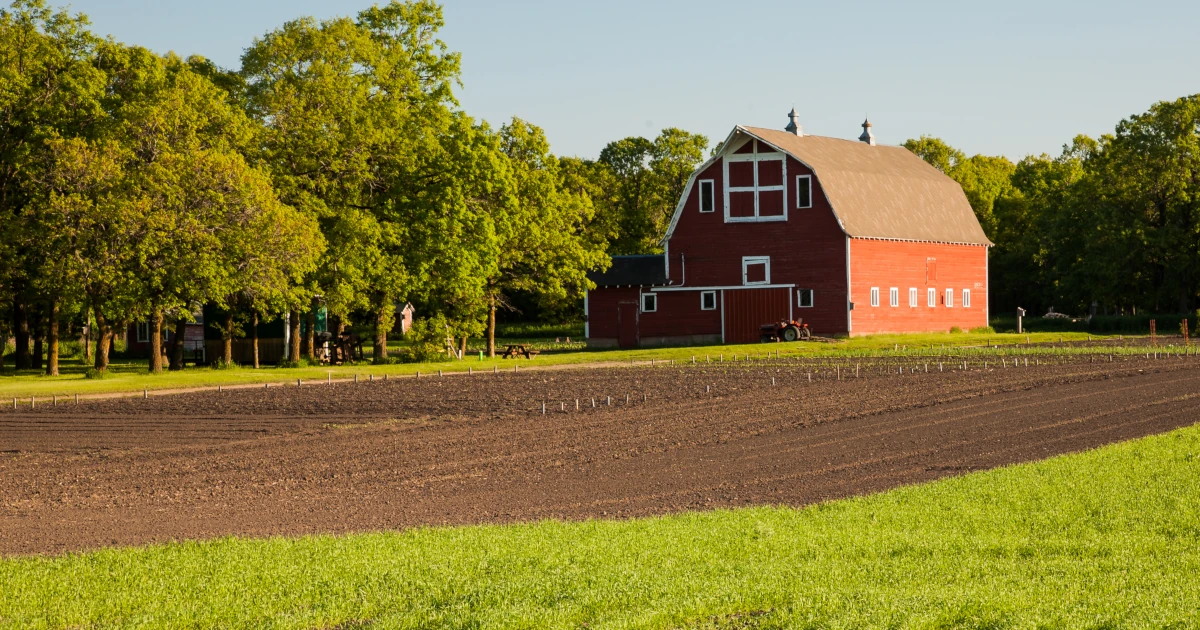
{"points": [[516, 350]]}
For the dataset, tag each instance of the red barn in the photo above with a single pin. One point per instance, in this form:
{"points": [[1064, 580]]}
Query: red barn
{"points": [[853, 237]]}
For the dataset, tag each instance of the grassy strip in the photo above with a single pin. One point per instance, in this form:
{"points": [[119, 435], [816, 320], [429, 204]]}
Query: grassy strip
{"points": [[131, 376], [1104, 539]]}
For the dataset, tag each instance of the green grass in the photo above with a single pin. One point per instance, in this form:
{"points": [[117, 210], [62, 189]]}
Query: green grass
{"points": [[1104, 539], [132, 376]]}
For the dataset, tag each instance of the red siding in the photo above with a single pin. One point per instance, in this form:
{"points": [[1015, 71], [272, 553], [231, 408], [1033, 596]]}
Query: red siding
{"points": [[903, 264], [602, 310]]}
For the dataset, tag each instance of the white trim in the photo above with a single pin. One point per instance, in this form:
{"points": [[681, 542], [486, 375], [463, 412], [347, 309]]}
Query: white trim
{"points": [[756, 260], [987, 286], [586, 324], [849, 293], [875, 296], [753, 159], [687, 190], [949, 298], [714, 300], [894, 297], [712, 185], [812, 297], [807, 178], [931, 297], [642, 303], [966, 298], [913, 300], [727, 287]]}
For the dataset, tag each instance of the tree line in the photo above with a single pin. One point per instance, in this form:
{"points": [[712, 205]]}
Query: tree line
{"points": [[334, 169], [1111, 226]]}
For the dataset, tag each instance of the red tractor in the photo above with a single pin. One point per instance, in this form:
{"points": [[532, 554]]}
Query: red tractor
{"points": [[795, 330]]}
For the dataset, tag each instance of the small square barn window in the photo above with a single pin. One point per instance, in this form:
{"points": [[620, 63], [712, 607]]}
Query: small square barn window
{"points": [[966, 298], [708, 300], [706, 196], [894, 296], [804, 191], [874, 296], [143, 332], [756, 270], [912, 297], [649, 302], [931, 297], [804, 298], [949, 297]]}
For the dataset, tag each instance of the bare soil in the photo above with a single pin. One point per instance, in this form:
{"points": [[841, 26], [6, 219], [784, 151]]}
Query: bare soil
{"points": [[477, 449]]}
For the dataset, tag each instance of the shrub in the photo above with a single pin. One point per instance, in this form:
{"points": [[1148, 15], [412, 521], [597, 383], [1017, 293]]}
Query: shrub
{"points": [[427, 339], [94, 374], [303, 362], [954, 330], [220, 364]]}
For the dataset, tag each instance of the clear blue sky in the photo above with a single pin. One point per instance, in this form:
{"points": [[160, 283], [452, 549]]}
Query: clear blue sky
{"points": [[1009, 78]]}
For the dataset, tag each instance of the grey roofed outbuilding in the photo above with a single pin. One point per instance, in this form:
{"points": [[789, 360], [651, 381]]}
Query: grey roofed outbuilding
{"points": [[641, 270]]}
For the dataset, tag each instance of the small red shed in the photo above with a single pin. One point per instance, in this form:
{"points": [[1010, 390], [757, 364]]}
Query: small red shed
{"points": [[853, 237]]}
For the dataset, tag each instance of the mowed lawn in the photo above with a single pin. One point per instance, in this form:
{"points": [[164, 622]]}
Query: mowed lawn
{"points": [[131, 376], [1104, 539]]}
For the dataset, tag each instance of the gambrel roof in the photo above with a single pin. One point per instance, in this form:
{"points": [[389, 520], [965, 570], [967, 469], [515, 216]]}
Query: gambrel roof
{"points": [[875, 191]]}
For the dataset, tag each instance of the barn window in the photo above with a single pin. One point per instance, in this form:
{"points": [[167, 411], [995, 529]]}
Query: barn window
{"points": [[949, 297], [966, 298], [649, 302], [756, 270], [931, 297], [804, 191], [143, 332], [931, 270], [912, 297], [874, 296], [706, 195], [708, 300], [804, 298], [754, 184], [894, 296]]}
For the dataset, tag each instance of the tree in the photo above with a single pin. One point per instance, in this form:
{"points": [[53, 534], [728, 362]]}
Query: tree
{"points": [[936, 152]]}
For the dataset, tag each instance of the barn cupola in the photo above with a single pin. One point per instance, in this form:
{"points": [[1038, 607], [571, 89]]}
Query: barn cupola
{"points": [[793, 126], [867, 136]]}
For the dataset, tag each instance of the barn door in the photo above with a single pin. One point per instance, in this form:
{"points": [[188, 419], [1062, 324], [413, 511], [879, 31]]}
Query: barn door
{"points": [[748, 309], [627, 324]]}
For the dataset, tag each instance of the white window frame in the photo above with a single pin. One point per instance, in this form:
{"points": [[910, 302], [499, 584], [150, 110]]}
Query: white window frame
{"points": [[894, 297], [931, 297], [754, 158], [912, 297], [143, 332], [874, 296], [712, 193], [949, 298], [714, 301], [808, 180], [755, 260], [966, 299], [642, 303], [811, 298]]}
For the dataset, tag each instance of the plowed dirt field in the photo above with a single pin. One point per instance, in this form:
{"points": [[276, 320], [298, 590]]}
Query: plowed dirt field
{"points": [[477, 449]]}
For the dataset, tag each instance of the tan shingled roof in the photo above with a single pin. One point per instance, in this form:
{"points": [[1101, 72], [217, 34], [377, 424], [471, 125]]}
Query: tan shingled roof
{"points": [[881, 191]]}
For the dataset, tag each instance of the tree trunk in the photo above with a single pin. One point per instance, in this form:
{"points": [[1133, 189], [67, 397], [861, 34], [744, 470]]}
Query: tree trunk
{"points": [[254, 336], [491, 334], [227, 339], [103, 342], [384, 312], [294, 325], [21, 333], [87, 338], [178, 345], [310, 335], [156, 349], [39, 337], [305, 338], [52, 336]]}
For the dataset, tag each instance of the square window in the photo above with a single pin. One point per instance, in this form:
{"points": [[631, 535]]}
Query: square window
{"points": [[708, 300], [894, 296], [649, 302], [706, 196], [756, 270], [912, 297], [143, 332], [874, 296], [966, 302], [804, 298], [931, 297], [949, 297], [804, 191]]}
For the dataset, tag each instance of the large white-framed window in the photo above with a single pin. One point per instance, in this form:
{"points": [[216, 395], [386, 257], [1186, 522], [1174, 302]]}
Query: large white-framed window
{"points": [[894, 296], [949, 297], [803, 191], [708, 300], [931, 297], [874, 296], [708, 199], [966, 302], [649, 302], [756, 270], [143, 332], [754, 183], [804, 298], [912, 297]]}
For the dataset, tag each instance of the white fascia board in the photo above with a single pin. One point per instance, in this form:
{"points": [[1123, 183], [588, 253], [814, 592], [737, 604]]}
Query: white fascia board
{"points": [[732, 287]]}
